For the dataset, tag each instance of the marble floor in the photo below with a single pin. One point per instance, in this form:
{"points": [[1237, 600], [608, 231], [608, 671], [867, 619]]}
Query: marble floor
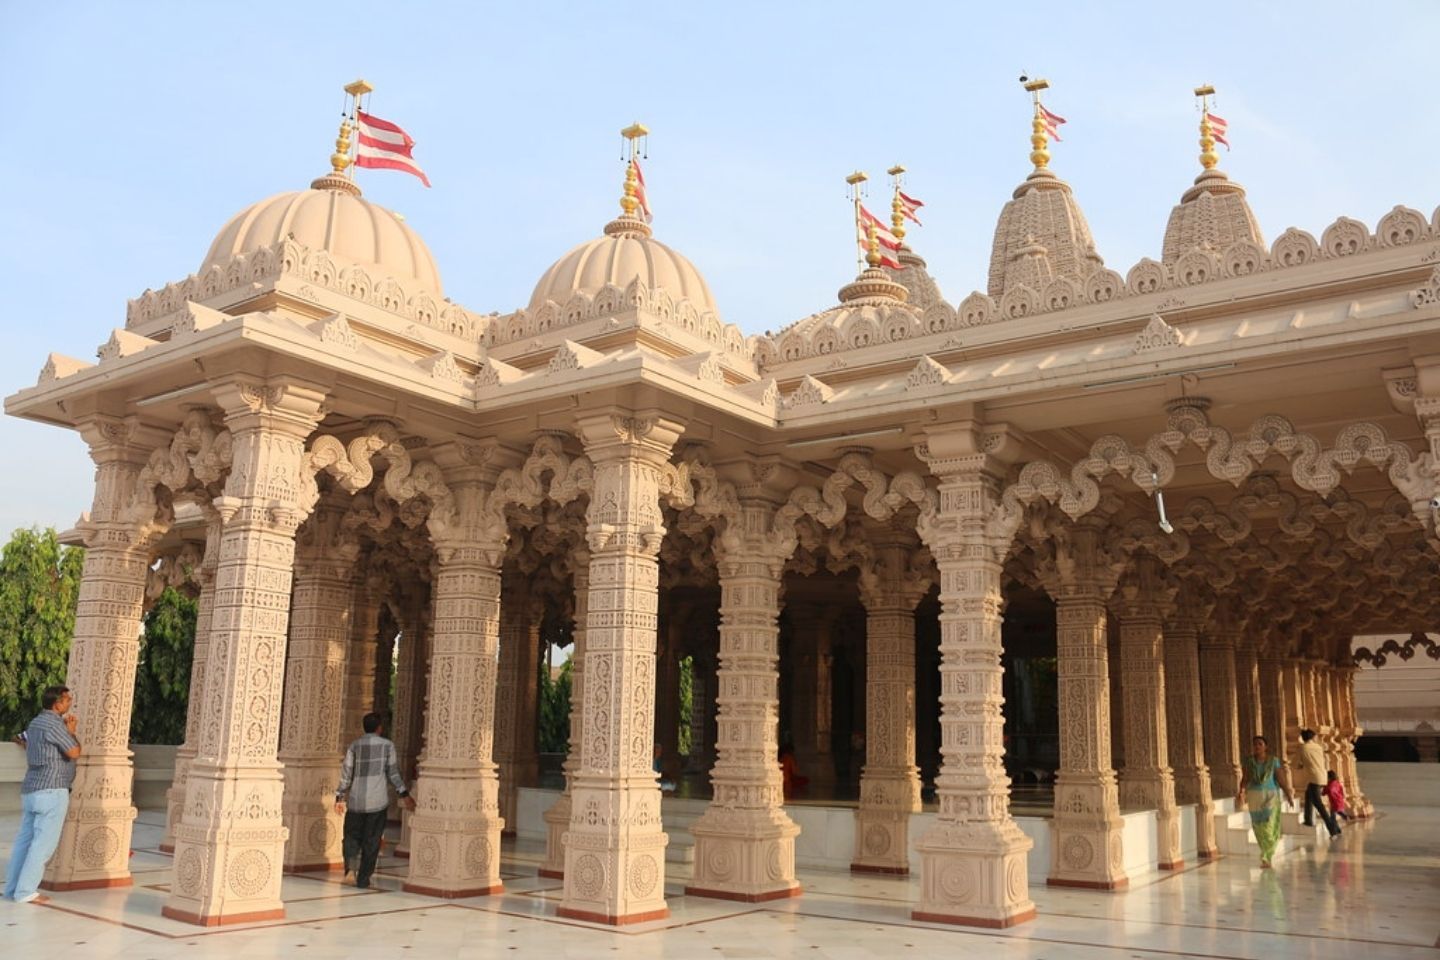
{"points": [[1375, 893]]}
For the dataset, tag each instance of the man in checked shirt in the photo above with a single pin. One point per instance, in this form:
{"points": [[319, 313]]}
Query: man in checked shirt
{"points": [[369, 762]]}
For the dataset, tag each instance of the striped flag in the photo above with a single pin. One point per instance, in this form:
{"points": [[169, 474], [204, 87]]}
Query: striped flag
{"points": [[908, 206], [1219, 127], [640, 191], [384, 146], [887, 239], [1052, 122]]}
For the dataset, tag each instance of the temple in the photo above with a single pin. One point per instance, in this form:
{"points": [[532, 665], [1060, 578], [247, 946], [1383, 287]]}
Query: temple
{"points": [[1012, 581]]}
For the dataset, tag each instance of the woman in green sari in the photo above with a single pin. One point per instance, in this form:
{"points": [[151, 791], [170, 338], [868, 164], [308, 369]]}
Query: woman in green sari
{"points": [[1262, 786]]}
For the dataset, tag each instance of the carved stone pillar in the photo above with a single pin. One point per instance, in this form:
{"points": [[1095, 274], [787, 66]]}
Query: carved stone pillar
{"points": [[1272, 698], [557, 818], [362, 661], [455, 828], [94, 845], [972, 860], [1220, 694], [1293, 717], [745, 842], [615, 848], [230, 845], [1183, 721], [1147, 781], [315, 680], [811, 711], [412, 680], [1249, 723], [175, 796], [1350, 731], [890, 782], [1085, 835], [515, 661]]}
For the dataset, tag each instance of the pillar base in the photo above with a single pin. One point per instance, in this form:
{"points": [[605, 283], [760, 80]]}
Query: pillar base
{"points": [[95, 883], [974, 874], [882, 830], [218, 920], [876, 868], [323, 866], [784, 894], [613, 921], [557, 821], [1113, 885], [1171, 865], [1087, 852], [454, 856], [550, 874], [1208, 854], [745, 855], [459, 893]]}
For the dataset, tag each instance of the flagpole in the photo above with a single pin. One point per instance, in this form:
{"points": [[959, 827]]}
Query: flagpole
{"points": [[356, 90], [855, 180], [628, 202], [1208, 157], [897, 207], [1039, 154]]}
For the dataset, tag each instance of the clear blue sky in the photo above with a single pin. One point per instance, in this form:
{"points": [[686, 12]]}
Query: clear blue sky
{"points": [[132, 131]]}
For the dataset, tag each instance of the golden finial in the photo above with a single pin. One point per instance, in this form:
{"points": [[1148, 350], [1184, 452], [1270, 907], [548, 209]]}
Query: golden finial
{"points": [[1039, 155], [872, 256], [342, 159], [897, 207], [632, 134], [1208, 157], [856, 182]]}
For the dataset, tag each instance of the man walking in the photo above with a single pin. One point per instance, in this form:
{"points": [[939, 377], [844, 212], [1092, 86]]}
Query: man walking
{"points": [[50, 752], [369, 762], [1312, 762]]}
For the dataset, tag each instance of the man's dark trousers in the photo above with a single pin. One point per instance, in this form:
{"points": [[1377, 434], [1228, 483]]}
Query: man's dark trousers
{"points": [[362, 841], [1312, 800]]}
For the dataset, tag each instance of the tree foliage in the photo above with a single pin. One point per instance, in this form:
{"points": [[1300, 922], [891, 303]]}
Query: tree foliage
{"points": [[162, 679], [686, 695], [555, 707], [39, 586]]}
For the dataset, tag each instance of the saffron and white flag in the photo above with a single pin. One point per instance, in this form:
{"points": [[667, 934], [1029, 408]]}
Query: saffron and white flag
{"points": [[384, 146], [640, 191], [1052, 123], [887, 239], [908, 206], [1219, 128]]}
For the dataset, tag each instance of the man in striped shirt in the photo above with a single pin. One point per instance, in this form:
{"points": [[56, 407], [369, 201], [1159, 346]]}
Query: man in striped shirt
{"points": [[369, 762], [50, 752]]}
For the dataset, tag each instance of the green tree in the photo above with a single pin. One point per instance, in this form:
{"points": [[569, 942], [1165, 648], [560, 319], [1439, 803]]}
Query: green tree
{"points": [[555, 707], [162, 678], [39, 586], [687, 704]]}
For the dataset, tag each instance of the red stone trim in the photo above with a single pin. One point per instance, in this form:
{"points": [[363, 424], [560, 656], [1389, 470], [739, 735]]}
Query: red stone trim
{"points": [[1209, 854], [889, 871], [1116, 885], [103, 883], [220, 920], [401, 854], [453, 894], [167, 848], [628, 918], [992, 923], [552, 874], [324, 866], [785, 894], [1171, 865]]}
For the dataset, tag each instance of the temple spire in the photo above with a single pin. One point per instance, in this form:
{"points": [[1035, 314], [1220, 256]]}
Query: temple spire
{"points": [[342, 161]]}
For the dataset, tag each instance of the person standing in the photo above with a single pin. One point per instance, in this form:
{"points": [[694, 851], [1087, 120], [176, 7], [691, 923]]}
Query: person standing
{"points": [[50, 752], [369, 762], [1260, 793], [1312, 764]]}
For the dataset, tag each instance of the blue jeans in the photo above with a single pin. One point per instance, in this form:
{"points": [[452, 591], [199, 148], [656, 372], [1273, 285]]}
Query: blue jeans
{"points": [[42, 816]]}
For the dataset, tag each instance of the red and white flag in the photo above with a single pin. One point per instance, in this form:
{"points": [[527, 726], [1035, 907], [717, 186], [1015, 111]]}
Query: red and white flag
{"points": [[908, 206], [1052, 122], [384, 146], [1219, 127], [887, 239], [640, 191]]}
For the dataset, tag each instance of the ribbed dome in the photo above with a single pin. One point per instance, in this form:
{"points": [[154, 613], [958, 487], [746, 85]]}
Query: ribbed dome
{"points": [[331, 216], [1212, 214], [1041, 235], [625, 252]]}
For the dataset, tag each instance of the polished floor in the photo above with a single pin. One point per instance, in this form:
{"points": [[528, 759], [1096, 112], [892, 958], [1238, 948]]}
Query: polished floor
{"points": [[1375, 894]]}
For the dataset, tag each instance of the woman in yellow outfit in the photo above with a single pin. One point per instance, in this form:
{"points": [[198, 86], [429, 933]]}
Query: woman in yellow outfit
{"points": [[1260, 791]]}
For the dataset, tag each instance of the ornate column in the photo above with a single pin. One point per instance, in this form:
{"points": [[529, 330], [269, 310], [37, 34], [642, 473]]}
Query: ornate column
{"points": [[1271, 664], [1220, 696], [615, 848], [1247, 694], [1147, 782], [515, 614], [120, 532], [1293, 717], [1183, 720], [972, 860], [230, 845], [1350, 731], [1085, 834], [890, 781], [362, 659], [175, 796], [745, 842], [557, 818], [412, 680], [455, 828], [315, 680]]}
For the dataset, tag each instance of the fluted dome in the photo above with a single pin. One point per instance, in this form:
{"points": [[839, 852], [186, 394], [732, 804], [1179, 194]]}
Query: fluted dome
{"points": [[1212, 214], [914, 275], [1041, 235], [331, 216], [624, 253]]}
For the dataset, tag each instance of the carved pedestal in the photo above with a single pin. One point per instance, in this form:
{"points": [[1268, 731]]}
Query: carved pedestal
{"points": [[745, 842], [1185, 746], [615, 847], [890, 782], [230, 845]]}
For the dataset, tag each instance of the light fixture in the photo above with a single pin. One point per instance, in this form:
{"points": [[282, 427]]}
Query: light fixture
{"points": [[1165, 525], [841, 437], [174, 394]]}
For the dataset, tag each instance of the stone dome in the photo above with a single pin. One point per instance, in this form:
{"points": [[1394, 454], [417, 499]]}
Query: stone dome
{"points": [[1041, 235], [1212, 214], [331, 216], [625, 252]]}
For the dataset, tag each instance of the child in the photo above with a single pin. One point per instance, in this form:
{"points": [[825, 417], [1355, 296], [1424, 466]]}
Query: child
{"points": [[1335, 793]]}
